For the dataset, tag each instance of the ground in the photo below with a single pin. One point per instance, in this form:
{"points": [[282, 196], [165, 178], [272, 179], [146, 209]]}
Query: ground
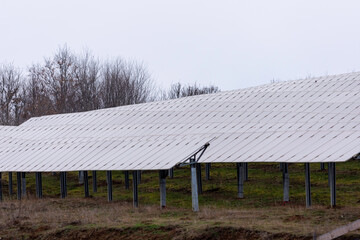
{"points": [[260, 215]]}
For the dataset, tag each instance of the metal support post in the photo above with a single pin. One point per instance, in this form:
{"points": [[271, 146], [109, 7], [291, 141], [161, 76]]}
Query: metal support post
{"points": [[332, 177], [329, 174], [86, 184], [135, 188], [162, 181], [65, 183], [38, 183], [194, 186], [195, 171], [281, 166], [126, 173], [94, 183], [199, 179], [81, 177], [246, 172], [23, 183], [109, 185], [62, 185], [286, 182], [1, 192], [139, 176], [11, 191], [322, 166], [171, 173], [307, 185], [207, 170], [18, 183], [240, 179]]}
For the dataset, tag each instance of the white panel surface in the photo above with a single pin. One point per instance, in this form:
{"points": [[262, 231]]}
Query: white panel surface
{"points": [[309, 120]]}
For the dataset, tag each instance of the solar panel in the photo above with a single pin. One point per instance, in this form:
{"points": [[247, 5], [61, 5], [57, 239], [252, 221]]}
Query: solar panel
{"points": [[309, 120]]}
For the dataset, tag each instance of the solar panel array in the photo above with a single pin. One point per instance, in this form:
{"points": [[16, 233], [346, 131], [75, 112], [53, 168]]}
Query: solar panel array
{"points": [[310, 120]]}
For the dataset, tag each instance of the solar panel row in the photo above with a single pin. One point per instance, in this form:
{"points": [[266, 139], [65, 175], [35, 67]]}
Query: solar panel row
{"points": [[310, 120]]}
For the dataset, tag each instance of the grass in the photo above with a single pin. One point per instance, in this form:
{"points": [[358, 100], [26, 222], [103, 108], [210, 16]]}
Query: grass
{"points": [[261, 210]]}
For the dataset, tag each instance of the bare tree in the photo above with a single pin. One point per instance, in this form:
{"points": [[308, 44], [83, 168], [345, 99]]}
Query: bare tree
{"points": [[125, 83], [58, 75], [177, 90], [10, 96], [37, 98], [87, 75]]}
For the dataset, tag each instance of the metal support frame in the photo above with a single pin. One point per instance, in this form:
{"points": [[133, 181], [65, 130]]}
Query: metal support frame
{"points": [[194, 187], [86, 184], [171, 173], [281, 166], [62, 185], [126, 178], [138, 176], [192, 160], [246, 172], [1, 192], [199, 178], [307, 185], [162, 182], [65, 183], [38, 184], [207, 171], [18, 183], [286, 182], [94, 181], [11, 191], [109, 185], [81, 177], [135, 188], [23, 183], [332, 179], [240, 179], [322, 166]]}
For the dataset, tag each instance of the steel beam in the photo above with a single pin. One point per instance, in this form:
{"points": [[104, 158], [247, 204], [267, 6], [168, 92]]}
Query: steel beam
{"points": [[1, 192], [194, 186], [286, 182], [307, 185], [65, 183], [23, 183], [38, 184], [135, 188], [322, 166], [11, 191], [332, 177], [328, 174], [207, 170], [246, 172], [18, 183], [81, 177], [171, 173], [126, 175], [86, 184], [199, 179], [162, 182], [240, 179], [62, 184], [94, 183], [109, 185], [138, 176]]}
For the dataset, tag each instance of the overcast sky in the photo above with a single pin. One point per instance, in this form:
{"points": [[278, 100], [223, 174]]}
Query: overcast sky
{"points": [[231, 44]]}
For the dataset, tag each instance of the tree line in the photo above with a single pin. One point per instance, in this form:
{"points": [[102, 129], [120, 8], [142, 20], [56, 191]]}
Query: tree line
{"points": [[69, 82]]}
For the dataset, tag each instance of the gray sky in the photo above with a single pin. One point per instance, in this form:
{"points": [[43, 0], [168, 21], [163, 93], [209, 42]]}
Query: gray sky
{"points": [[231, 44]]}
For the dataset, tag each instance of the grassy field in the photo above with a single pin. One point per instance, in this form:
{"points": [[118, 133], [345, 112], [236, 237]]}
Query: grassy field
{"points": [[260, 215]]}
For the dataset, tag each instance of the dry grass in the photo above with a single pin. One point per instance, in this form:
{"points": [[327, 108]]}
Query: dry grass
{"points": [[32, 216]]}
